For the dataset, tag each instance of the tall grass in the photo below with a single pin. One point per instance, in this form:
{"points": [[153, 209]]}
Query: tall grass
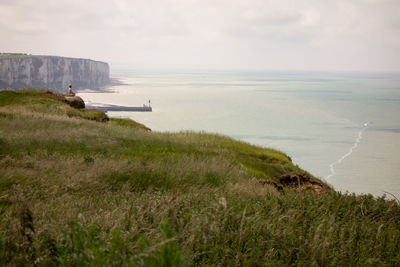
{"points": [[80, 192]]}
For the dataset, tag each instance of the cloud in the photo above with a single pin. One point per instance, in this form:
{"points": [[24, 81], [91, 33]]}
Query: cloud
{"points": [[305, 34]]}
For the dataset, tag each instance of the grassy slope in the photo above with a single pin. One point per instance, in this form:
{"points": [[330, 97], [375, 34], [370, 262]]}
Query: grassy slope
{"points": [[77, 191], [26, 56]]}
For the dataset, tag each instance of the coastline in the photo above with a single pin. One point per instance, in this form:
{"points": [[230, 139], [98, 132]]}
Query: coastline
{"points": [[108, 191], [310, 121]]}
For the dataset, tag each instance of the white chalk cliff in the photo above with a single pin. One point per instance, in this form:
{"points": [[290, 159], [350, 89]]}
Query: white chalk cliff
{"points": [[51, 72]]}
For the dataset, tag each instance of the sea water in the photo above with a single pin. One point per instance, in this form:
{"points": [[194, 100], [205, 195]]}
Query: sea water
{"points": [[342, 127]]}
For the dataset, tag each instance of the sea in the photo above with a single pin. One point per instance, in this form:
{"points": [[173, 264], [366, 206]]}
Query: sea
{"points": [[343, 127]]}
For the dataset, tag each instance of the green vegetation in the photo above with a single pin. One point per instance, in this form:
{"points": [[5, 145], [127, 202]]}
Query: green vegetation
{"points": [[77, 190], [25, 56], [128, 123], [44, 102]]}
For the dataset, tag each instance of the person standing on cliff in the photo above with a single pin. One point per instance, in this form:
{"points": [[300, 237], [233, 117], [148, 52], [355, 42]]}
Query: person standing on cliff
{"points": [[70, 89]]}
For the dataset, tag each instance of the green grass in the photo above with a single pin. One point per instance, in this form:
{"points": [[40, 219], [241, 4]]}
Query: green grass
{"points": [[78, 191], [128, 123], [43, 102], [28, 56]]}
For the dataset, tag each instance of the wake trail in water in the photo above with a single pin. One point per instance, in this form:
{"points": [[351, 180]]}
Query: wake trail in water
{"points": [[358, 140]]}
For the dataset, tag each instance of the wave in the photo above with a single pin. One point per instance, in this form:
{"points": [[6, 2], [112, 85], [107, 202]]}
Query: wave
{"points": [[340, 160]]}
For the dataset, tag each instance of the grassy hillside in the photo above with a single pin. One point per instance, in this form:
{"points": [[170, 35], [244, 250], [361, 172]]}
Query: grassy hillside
{"points": [[24, 56], [76, 190]]}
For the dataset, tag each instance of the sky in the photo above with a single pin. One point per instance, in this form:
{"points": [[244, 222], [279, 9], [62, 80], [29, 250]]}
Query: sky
{"points": [[355, 35]]}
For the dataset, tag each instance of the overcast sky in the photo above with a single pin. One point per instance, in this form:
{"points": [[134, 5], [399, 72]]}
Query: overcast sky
{"points": [[209, 34]]}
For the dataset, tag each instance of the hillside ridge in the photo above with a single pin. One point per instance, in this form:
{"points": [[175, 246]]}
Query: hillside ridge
{"points": [[80, 188]]}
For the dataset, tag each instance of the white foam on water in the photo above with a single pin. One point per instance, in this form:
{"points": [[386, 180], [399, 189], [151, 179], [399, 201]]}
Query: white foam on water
{"points": [[340, 160]]}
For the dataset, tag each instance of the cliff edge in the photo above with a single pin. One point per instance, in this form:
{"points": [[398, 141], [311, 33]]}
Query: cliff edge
{"points": [[78, 188], [51, 72]]}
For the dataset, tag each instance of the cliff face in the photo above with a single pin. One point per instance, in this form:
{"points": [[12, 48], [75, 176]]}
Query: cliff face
{"points": [[50, 72]]}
